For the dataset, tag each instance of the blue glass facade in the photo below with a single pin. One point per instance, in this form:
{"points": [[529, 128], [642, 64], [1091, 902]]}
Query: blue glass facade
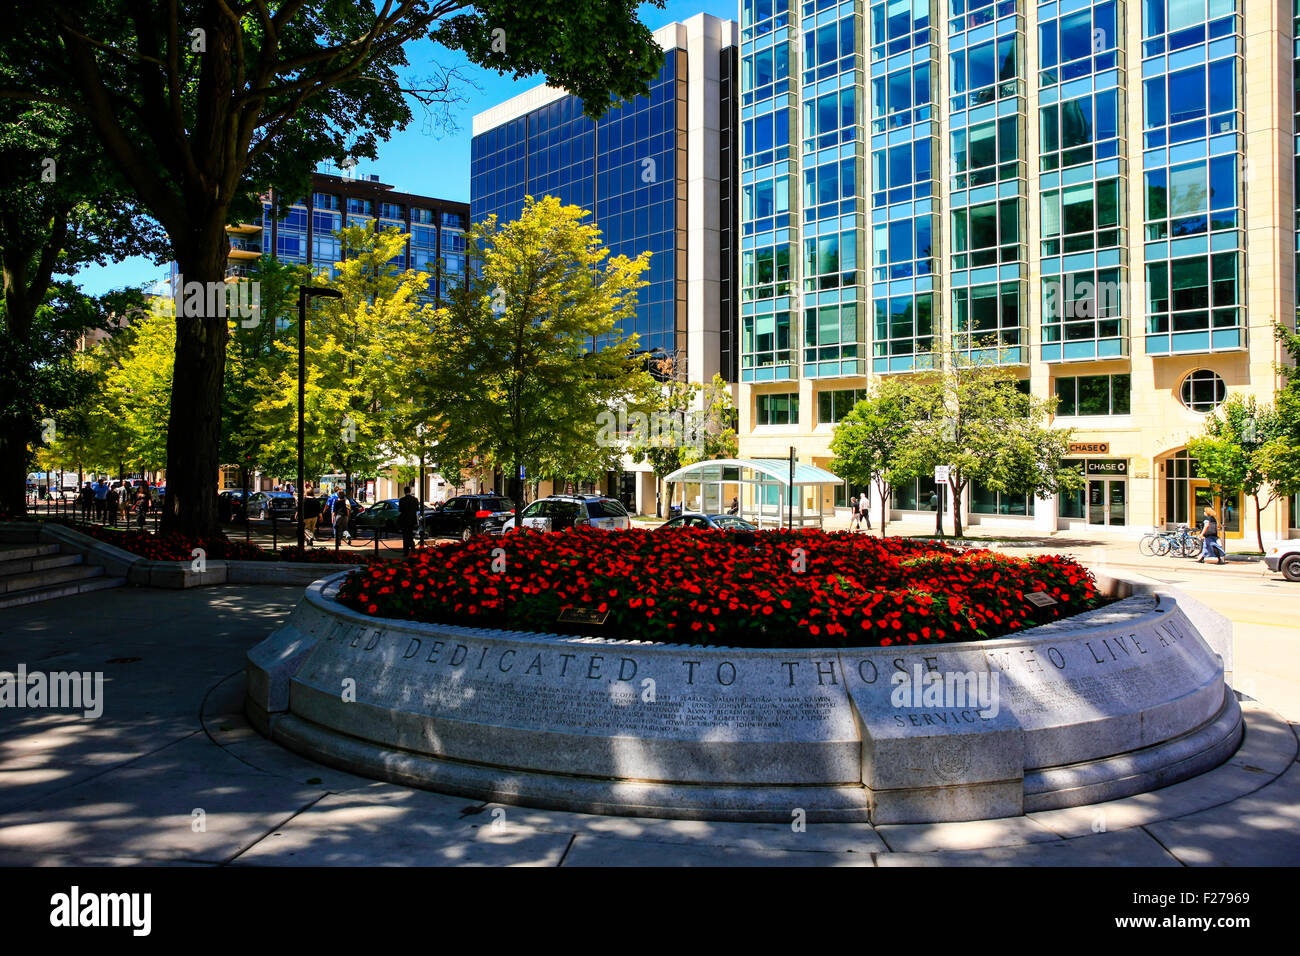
{"points": [[904, 189], [768, 171], [628, 169], [307, 234], [1192, 160]]}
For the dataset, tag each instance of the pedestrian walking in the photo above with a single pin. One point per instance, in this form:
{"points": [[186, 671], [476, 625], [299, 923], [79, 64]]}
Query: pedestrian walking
{"points": [[340, 509], [864, 506], [141, 508], [408, 508], [112, 499], [87, 500], [1210, 539], [310, 516], [101, 500]]}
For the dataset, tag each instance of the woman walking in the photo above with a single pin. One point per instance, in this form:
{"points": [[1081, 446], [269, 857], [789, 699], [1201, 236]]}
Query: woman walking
{"points": [[857, 514], [1210, 539]]}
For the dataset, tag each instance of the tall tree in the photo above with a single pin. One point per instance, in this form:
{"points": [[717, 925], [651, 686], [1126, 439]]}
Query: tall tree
{"points": [[974, 418], [359, 352], [1248, 447], [203, 104], [516, 377], [61, 206], [867, 443]]}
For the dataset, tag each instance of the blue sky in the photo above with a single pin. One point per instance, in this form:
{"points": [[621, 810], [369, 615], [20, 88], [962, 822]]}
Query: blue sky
{"points": [[416, 160]]}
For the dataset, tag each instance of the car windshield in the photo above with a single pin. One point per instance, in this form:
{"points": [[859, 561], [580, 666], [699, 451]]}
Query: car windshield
{"points": [[498, 504], [732, 523], [606, 508]]}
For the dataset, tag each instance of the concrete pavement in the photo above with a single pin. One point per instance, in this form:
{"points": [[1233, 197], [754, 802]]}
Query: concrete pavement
{"points": [[171, 773]]}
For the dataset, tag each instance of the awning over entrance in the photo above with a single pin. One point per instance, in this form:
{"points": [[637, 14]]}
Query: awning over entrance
{"points": [[762, 486]]}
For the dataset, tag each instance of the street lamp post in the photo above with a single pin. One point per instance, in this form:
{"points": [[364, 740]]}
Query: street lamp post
{"points": [[304, 293]]}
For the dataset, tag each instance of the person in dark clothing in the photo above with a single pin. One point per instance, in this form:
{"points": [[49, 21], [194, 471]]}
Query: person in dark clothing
{"points": [[310, 515], [1210, 539], [408, 509], [87, 501], [111, 501]]}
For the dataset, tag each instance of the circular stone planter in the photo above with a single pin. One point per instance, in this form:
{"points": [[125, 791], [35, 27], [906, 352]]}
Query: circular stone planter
{"points": [[1102, 705]]}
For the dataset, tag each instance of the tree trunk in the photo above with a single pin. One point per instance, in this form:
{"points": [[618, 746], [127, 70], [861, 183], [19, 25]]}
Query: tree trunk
{"points": [[517, 494], [194, 423], [956, 508], [15, 433], [884, 510], [1259, 522]]}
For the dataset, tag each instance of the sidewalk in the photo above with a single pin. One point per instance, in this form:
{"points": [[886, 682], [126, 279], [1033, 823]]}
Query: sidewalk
{"points": [[172, 773]]}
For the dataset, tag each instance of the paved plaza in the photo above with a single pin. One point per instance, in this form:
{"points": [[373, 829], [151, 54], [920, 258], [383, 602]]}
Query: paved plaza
{"points": [[172, 773]]}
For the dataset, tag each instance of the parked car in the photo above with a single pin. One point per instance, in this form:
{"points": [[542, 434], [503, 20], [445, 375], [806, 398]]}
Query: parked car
{"points": [[558, 512], [1285, 557], [263, 504], [228, 503], [467, 515], [700, 520], [381, 515]]}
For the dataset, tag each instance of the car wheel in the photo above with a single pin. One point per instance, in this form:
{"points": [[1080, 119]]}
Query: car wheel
{"points": [[466, 533], [1291, 568]]}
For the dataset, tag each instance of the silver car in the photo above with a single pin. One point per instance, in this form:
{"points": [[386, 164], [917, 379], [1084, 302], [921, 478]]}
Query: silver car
{"points": [[559, 512]]}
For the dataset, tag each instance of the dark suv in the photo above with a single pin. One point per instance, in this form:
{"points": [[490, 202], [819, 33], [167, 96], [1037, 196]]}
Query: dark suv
{"points": [[467, 515]]}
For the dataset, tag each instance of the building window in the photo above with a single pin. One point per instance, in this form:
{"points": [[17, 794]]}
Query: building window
{"points": [[988, 317], [986, 152], [1077, 44], [901, 98], [986, 502], [985, 72], [765, 340], [832, 340], [1080, 218], [1203, 391], [1194, 304], [361, 207], [904, 327], [898, 25], [1079, 130], [831, 261], [986, 234], [780, 409], [832, 406], [915, 495], [1083, 315], [1179, 470], [1093, 395]]}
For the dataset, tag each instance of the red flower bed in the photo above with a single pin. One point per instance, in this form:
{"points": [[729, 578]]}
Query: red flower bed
{"points": [[780, 589]]}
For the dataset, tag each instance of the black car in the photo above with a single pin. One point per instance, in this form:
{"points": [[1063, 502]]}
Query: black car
{"points": [[467, 515], [263, 504], [230, 505]]}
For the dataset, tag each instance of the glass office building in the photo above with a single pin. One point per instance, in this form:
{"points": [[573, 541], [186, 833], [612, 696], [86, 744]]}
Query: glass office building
{"points": [[306, 233], [657, 174], [651, 173], [1086, 192]]}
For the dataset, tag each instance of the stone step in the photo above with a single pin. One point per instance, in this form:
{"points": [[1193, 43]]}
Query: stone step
{"points": [[43, 562], [10, 583], [20, 533], [19, 551], [66, 589]]}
